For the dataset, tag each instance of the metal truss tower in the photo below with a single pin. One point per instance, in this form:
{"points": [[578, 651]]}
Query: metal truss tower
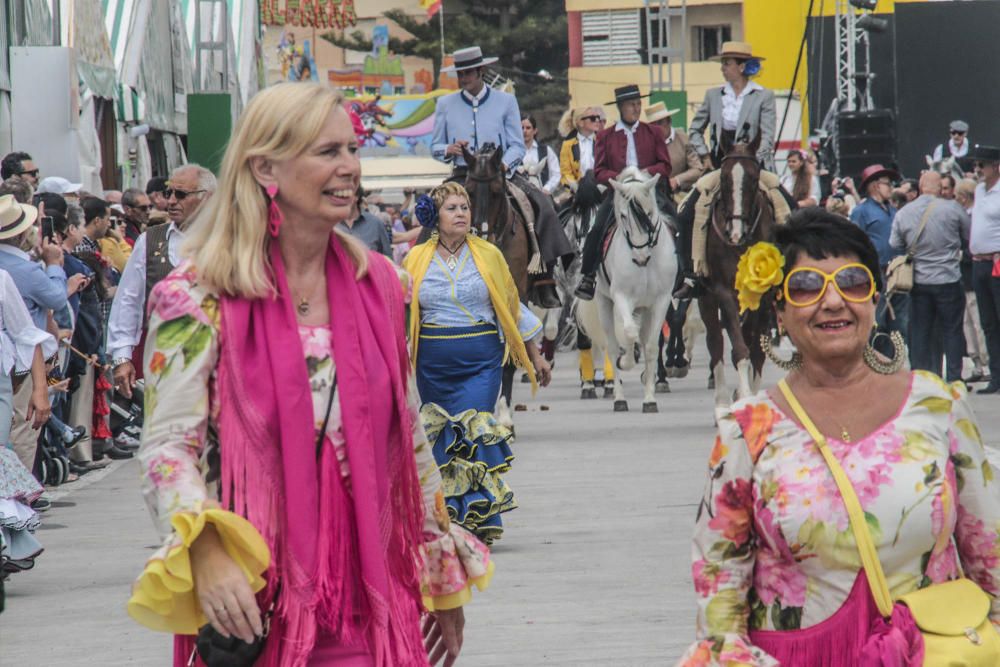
{"points": [[853, 83], [660, 19]]}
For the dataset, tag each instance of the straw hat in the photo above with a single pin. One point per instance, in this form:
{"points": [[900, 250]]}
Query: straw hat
{"points": [[15, 217], [741, 50], [659, 111]]}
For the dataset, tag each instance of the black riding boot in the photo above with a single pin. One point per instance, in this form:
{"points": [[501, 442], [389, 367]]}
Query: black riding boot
{"points": [[543, 290], [690, 284], [592, 248]]}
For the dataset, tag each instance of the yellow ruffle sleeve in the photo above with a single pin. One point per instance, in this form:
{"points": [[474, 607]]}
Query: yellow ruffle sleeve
{"points": [[454, 562], [163, 597]]}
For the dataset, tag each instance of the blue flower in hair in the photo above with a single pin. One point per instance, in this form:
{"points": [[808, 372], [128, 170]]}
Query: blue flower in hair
{"points": [[751, 67], [426, 211]]}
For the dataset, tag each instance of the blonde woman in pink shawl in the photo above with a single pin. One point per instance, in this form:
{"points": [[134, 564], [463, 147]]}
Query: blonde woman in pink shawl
{"points": [[282, 459]]}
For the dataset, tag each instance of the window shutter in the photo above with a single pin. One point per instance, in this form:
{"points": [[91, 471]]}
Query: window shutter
{"points": [[611, 38]]}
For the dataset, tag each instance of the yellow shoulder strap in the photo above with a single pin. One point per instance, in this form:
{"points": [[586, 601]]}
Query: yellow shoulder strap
{"points": [[869, 555]]}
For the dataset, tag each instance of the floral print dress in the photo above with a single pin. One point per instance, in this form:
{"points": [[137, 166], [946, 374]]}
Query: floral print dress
{"points": [[179, 457], [773, 547]]}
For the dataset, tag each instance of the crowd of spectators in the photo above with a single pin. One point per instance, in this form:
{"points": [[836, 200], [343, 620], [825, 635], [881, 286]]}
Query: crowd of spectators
{"points": [[66, 258]]}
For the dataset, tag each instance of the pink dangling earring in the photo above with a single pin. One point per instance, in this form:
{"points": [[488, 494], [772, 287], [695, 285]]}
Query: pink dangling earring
{"points": [[274, 217]]}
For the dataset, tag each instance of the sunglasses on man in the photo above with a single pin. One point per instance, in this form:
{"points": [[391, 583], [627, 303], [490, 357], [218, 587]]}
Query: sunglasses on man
{"points": [[33, 173], [145, 208], [181, 195], [956, 133]]}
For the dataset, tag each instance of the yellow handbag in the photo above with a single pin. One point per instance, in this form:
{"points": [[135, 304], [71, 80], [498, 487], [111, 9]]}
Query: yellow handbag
{"points": [[953, 617]]}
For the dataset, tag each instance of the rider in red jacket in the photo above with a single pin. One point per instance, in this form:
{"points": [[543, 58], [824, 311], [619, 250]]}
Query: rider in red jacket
{"points": [[629, 142]]}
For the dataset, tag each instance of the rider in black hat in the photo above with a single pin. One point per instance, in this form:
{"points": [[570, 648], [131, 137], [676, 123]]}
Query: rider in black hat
{"points": [[628, 143]]}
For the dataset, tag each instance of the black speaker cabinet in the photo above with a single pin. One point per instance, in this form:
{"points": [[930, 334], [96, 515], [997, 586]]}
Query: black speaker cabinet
{"points": [[865, 138]]}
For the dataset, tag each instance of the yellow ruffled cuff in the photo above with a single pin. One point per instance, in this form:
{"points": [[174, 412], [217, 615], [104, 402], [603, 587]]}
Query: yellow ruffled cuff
{"points": [[163, 597], [461, 597]]}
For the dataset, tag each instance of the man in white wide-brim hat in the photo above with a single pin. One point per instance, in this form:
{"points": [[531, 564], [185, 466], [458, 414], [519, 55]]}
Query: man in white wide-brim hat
{"points": [[478, 115], [685, 165]]}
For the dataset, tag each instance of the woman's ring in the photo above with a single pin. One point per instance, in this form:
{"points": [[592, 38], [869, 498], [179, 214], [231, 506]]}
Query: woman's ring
{"points": [[221, 611]]}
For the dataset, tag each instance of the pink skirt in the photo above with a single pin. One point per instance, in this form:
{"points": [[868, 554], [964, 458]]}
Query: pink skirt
{"points": [[834, 642], [326, 653]]}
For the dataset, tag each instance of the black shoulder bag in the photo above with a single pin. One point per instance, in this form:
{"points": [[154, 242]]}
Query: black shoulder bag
{"points": [[218, 651]]}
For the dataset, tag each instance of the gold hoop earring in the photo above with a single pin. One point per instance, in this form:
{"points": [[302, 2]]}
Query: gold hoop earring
{"points": [[784, 364], [875, 360]]}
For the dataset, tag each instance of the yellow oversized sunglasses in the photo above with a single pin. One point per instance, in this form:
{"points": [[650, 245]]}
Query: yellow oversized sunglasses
{"points": [[806, 285]]}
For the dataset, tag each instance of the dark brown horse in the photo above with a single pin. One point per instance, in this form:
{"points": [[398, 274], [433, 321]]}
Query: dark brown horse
{"points": [[497, 219], [494, 216], [741, 215]]}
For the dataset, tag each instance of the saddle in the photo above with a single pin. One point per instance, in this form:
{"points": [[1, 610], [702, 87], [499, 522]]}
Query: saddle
{"points": [[522, 204], [707, 189]]}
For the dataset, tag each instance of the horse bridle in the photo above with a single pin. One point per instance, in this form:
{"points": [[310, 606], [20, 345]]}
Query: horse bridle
{"points": [[742, 217], [652, 232], [500, 229]]}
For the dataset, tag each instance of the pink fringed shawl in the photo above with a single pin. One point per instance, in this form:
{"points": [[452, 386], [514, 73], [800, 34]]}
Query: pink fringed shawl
{"points": [[347, 558]]}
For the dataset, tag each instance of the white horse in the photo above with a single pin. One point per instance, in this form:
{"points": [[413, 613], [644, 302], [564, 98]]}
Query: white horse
{"points": [[946, 166], [635, 280]]}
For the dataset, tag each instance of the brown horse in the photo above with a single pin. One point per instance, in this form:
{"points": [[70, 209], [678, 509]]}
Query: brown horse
{"points": [[496, 219], [741, 215]]}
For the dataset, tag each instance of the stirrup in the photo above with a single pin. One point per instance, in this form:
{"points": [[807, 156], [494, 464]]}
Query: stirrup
{"points": [[585, 290]]}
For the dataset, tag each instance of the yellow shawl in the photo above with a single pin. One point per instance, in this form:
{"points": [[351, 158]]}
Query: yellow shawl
{"points": [[503, 295]]}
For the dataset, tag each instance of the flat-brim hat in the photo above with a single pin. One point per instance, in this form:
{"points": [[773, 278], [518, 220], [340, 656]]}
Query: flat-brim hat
{"points": [[659, 111], [984, 153], [958, 126], [872, 172], [626, 94], [741, 50], [15, 217], [469, 58]]}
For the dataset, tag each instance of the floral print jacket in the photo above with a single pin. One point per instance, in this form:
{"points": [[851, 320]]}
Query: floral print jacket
{"points": [[178, 454], [773, 547]]}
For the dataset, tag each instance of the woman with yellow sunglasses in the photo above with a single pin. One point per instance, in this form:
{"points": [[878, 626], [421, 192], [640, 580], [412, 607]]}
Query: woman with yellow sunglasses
{"points": [[776, 557]]}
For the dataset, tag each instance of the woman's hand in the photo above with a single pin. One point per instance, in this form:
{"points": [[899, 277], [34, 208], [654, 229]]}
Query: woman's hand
{"points": [[443, 635], [39, 409], [223, 591], [543, 371]]}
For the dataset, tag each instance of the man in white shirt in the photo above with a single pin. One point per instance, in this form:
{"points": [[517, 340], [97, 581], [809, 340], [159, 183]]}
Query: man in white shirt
{"points": [[984, 244], [156, 253]]}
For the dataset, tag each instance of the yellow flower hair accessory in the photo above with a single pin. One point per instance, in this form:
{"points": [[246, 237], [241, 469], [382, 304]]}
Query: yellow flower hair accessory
{"points": [[760, 269]]}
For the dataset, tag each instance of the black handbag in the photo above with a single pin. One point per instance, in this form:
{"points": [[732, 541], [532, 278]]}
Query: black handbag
{"points": [[218, 651]]}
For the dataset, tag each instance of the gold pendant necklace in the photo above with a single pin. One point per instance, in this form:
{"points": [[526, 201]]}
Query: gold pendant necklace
{"points": [[303, 307], [845, 434]]}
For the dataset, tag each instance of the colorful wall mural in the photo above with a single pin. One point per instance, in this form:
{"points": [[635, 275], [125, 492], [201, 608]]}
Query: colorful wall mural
{"points": [[396, 124]]}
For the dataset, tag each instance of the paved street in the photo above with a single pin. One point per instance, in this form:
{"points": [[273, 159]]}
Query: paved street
{"points": [[592, 571]]}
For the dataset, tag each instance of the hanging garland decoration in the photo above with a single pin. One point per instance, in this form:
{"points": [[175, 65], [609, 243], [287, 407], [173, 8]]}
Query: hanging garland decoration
{"points": [[338, 14]]}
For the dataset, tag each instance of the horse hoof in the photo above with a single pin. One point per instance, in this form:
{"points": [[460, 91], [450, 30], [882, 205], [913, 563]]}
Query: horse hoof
{"points": [[682, 371], [662, 388], [609, 391], [669, 372], [525, 379], [621, 406], [711, 383], [648, 408], [588, 393]]}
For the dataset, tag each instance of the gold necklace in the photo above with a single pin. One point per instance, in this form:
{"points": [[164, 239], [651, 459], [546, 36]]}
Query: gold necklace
{"points": [[302, 306], [845, 435]]}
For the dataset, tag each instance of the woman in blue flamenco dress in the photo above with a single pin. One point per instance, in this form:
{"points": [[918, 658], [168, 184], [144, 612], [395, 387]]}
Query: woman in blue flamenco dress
{"points": [[466, 321]]}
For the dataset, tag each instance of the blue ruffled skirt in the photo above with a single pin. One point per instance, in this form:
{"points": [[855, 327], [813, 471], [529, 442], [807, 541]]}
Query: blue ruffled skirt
{"points": [[459, 371]]}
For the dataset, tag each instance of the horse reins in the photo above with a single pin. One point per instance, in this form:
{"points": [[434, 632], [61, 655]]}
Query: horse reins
{"points": [[652, 231], [500, 230]]}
